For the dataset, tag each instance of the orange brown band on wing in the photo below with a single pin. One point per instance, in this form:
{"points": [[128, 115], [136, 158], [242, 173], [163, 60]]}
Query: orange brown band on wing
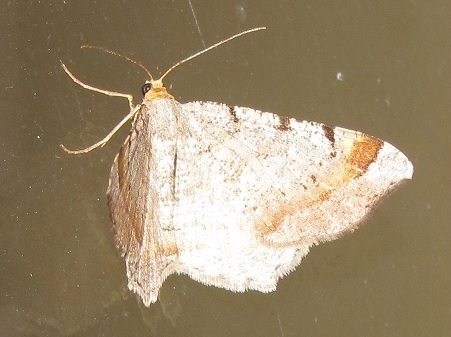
{"points": [[357, 158], [363, 153]]}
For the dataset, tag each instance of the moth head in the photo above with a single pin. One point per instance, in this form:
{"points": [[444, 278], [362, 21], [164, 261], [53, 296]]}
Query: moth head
{"points": [[154, 89]]}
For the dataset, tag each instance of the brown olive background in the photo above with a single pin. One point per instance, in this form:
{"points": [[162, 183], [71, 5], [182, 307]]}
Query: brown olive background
{"points": [[60, 273]]}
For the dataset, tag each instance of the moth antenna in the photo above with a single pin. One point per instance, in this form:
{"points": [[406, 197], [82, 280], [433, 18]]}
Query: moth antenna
{"points": [[120, 55], [209, 48]]}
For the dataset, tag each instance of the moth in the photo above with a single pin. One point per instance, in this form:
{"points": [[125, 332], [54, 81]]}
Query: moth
{"points": [[232, 196]]}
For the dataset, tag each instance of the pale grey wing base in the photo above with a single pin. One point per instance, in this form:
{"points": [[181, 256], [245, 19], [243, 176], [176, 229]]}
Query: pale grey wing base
{"points": [[247, 183], [134, 200]]}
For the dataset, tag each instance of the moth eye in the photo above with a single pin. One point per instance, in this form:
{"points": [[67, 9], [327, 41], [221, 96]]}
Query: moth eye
{"points": [[146, 88]]}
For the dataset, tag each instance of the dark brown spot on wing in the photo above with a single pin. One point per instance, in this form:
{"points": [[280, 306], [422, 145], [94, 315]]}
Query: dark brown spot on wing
{"points": [[330, 134], [233, 114], [284, 124]]}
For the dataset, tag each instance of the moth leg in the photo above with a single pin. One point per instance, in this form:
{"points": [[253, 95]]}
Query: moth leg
{"points": [[133, 110]]}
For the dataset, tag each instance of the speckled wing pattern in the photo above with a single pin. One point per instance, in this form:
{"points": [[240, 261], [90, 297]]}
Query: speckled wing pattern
{"points": [[141, 197], [235, 197]]}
